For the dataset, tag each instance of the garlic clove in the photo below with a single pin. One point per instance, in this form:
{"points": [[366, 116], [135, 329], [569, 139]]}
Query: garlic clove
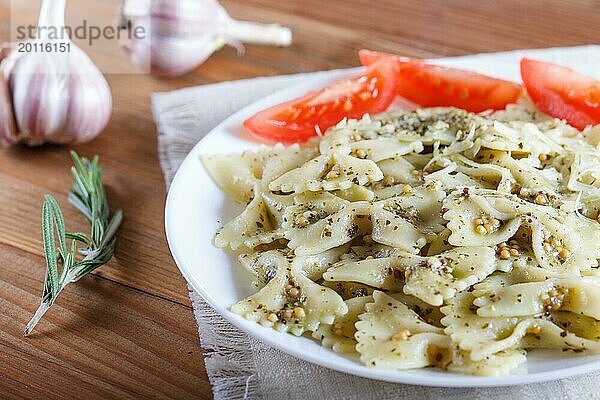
{"points": [[8, 129], [172, 56], [38, 86], [185, 18], [181, 34], [90, 103], [58, 100], [57, 97]]}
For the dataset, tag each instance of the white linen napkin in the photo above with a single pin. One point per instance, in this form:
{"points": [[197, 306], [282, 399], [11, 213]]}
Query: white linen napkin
{"points": [[240, 367]]}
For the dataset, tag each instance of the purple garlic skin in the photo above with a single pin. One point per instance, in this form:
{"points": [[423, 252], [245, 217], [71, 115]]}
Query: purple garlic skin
{"points": [[170, 56], [52, 97], [179, 35], [57, 98]]}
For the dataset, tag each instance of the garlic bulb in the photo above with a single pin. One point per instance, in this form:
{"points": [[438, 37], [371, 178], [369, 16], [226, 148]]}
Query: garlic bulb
{"points": [[52, 96], [179, 35]]}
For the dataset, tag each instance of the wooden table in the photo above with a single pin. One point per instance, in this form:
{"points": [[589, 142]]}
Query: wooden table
{"points": [[128, 330]]}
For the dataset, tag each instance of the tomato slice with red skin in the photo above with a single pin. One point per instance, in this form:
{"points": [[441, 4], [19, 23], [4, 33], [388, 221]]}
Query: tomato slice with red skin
{"points": [[296, 120], [368, 57], [432, 85], [562, 93]]}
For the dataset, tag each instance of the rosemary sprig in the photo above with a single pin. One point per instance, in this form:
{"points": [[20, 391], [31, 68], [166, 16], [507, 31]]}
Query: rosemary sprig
{"points": [[89, 197]]}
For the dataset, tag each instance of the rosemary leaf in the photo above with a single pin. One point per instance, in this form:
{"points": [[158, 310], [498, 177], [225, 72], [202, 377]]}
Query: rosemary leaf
{"points": [[52, 284], [60, 224], [88, 197]]}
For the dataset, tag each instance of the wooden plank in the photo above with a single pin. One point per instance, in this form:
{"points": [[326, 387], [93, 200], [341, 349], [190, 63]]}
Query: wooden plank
{"points": [[129, 332], [439, 26], [142, 259], [99, 338]]}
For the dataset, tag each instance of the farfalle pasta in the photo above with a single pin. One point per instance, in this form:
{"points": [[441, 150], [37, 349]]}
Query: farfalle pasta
{"points": [[430, 238]]}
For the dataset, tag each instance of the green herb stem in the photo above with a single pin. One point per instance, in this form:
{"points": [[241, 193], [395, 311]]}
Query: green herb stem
{"points": [[89, 197]]}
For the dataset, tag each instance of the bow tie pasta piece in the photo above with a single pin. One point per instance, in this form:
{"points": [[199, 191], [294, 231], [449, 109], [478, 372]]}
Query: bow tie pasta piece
{"points": [[580, 325], [332, 231], [474, 221], [587, 255], [421, 206], [309, 209], [558, 245], [254, 226], [236, 175], [391, 336], [383, 148], [480, 336], [487, 175], [585, 172], [277, 205], [580, 295], [355, 193], [264, 265], [290, 302], [321, 304], [431, 125], [423, 126], [315, 265], [328, 172], [370, 249], [546, 335], [408, 221], [378, 149], [527, 176], [589, 206], [349, 290], [339, 336], [520, 273], [430, 279], [382, 273], [349, 131], [428, 313], [269, 300], [438, 278], [286, 160], [498, 364], [393, 230], [485, 217], [396, 171], [439, 243], [449, 179], [521, 138]]}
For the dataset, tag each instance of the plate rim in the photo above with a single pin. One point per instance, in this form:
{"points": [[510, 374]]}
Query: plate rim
{"points": [[392, 376]]}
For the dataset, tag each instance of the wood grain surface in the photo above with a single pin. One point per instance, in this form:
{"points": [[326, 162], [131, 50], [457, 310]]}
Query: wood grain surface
{"points": [[128, 331]]}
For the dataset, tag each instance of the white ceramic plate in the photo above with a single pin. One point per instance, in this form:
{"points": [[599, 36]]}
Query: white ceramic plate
{"points": [[196, 208]]}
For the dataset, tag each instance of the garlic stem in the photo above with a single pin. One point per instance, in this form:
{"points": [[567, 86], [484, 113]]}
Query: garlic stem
{"points": [[52, 14], [256, 33]]}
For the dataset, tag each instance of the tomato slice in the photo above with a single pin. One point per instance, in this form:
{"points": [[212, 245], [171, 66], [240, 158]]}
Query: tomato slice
{"points": [[368, 57], [431, 85], [296, 120], [562, 93]]}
